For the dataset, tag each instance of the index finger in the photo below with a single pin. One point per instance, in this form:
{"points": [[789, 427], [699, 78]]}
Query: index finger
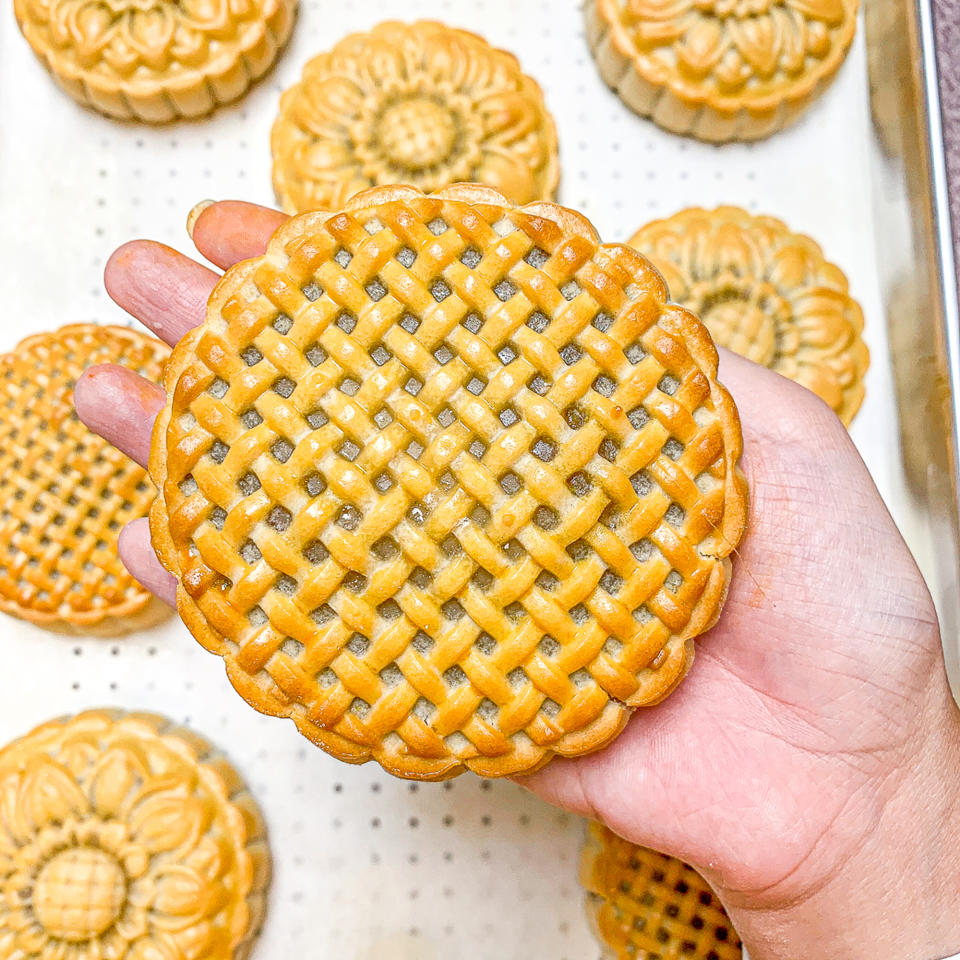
{"points": [[231, 230]]}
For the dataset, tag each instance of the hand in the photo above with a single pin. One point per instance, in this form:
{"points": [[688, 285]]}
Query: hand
{"points": [[809, 764]]}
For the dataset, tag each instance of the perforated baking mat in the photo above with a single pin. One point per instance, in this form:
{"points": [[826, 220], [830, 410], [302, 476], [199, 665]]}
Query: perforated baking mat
{"points": [[367, 866]]}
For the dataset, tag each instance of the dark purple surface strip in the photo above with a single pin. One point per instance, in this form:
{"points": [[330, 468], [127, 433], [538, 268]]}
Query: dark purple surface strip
{"points": [[946, 17]]}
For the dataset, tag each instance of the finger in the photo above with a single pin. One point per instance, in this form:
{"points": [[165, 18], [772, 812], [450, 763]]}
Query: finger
{"points": [[231, 230], [138, 557], [162, 288], [120, 406]]}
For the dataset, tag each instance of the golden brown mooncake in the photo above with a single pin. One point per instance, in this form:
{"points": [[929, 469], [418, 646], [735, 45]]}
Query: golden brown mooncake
{"points": [[447, 482]]}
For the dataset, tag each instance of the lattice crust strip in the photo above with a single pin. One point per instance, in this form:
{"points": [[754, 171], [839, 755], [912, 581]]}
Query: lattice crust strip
{"points": [[65, 494], [643, 905], [448, 482]]}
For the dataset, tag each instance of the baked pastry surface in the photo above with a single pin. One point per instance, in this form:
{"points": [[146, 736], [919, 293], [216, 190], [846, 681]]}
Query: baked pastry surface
{"points": [[65, 493], [643, 905], [447, 482], [128, 837], [720, 69], [421, 103], [766, 293], [156, 60]]}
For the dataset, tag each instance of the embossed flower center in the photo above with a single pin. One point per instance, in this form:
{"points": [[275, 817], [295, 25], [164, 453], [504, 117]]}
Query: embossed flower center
{"points": [[742, 315], [417, 132], [79, 894], [738, 9]]}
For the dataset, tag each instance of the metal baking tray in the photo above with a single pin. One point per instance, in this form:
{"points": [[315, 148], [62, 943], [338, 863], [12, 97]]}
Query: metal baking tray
{"points": [[366, 866]]}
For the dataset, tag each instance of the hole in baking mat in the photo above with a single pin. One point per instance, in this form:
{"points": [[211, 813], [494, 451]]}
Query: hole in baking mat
{"points": [[316, 552], [315, 484], [312, 291], [440, 290], [471, 257], [282, 324], [315, 355]]}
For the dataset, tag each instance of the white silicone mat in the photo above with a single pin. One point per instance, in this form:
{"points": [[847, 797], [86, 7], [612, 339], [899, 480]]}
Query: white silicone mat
{"points": [[366, 866]]}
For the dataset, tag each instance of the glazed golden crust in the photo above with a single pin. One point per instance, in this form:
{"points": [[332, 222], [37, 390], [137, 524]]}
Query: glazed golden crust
{"points": [[156, 60], [643, 905], [766, 293], [126, 836], [419, 103], [720, 69], [66, 493], [446, 482]]}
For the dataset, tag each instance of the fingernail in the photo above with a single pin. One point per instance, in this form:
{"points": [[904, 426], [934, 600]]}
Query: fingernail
{"points": [[195, 213]]}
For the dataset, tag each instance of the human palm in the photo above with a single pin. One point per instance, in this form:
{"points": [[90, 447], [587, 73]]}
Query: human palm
{"points": [[807, 705]]}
